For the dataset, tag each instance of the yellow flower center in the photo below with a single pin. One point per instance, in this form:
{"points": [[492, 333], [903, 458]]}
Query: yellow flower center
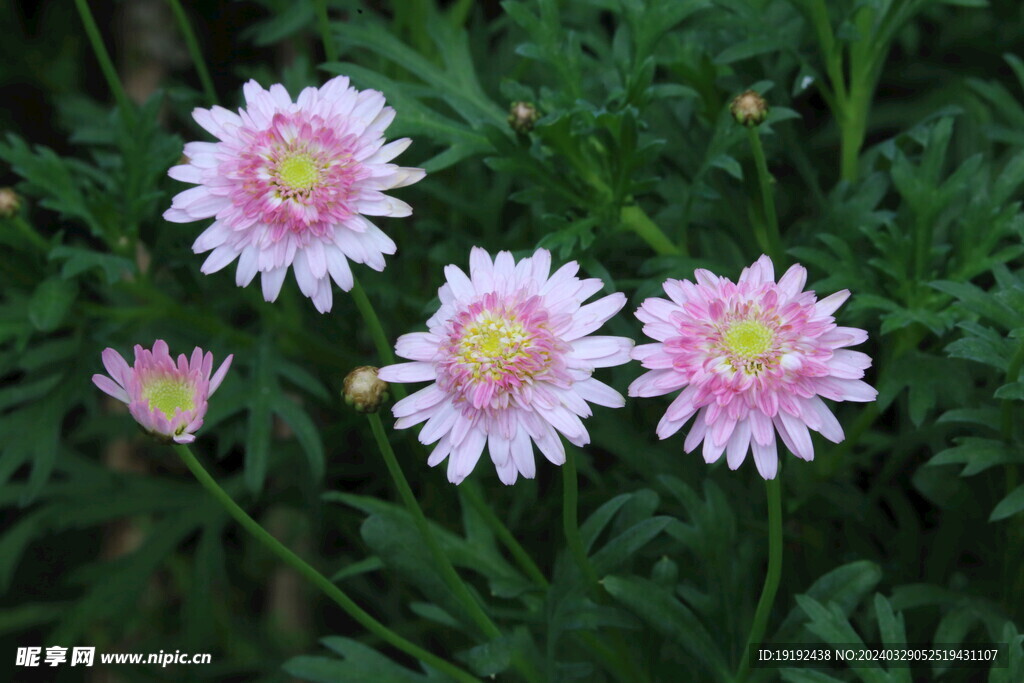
{"points": [[167, 393], [491, 342], [746, 339], [298, 172]]}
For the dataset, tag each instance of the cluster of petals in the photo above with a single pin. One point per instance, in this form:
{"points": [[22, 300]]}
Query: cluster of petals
{"points": [[289, 185], [509, 355], [753, 358], [167, 399]]}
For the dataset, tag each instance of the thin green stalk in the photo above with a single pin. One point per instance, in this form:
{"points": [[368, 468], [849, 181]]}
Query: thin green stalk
{"points": [[570, 524], [448, 573], [312, 575], [634, 218], [380, 339], [771, 579], [772, 241], [193, 49], [106, 65], [330, 49], [520, 555]]}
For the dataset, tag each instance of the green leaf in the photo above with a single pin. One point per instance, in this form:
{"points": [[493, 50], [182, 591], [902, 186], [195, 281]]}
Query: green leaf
{"points": [[892, 628], [78, 260], [625, 545], [305, 431], [359, 663], [51, 302], [844, 587], [1010, 505], [595, 524], [669, 617], [976, 454], [370, 564], [1014, 391]]}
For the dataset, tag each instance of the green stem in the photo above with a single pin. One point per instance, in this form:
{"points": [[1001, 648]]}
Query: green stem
{"points": [[570, 525], [380, 339], [853, 122], [772, 241], [312, 575], [330, 49], [634, 218], [193, 49], [771, 579], [522, 557], [448, 573], [106, 65]]}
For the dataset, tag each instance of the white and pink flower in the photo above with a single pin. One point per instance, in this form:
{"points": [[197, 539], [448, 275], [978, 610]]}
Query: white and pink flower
{"points": [[755, 357], [167, 399], [290, 183], [510, 360]]}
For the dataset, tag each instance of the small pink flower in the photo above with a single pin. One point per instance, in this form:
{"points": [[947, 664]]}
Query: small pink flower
{"points": [[511, 364], [755, 357], [289, 184], [166, 399]]}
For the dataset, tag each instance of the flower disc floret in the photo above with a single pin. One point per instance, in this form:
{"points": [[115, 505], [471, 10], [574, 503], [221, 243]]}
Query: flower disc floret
{"points": [[168, 399], [510, 359], [289, 185], [753, 358]]}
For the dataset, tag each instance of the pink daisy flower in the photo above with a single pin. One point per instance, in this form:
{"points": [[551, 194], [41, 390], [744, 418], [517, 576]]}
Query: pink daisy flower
{"points": [[755, 358], [166, 399], [511, 361], [289, 184]]}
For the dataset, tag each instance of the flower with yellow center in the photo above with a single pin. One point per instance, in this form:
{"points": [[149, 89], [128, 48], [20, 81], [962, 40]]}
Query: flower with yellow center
{"points": [[511, 358], [167, 398], [753, 359]]}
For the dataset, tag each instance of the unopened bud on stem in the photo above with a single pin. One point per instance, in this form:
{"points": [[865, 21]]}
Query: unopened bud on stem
{"points": [[749, 108], [364, 391]]}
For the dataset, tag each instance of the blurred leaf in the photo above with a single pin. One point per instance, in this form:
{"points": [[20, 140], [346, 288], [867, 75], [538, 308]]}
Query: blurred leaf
{"points": [[51, 302]]}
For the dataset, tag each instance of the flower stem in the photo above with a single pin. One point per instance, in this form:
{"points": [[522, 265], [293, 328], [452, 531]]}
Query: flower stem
{"points": [[771, 579], [526, 563], [570, 525], [312, 575], [106, 65], [634, 218], [770, 242], [193, 49], [380, 339], [448, 573], [330, 49]]}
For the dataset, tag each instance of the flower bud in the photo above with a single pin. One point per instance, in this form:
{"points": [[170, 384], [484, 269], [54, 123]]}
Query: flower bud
{"points": [[522, 116], [364, 391], [10, 202], [749, 108]]}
